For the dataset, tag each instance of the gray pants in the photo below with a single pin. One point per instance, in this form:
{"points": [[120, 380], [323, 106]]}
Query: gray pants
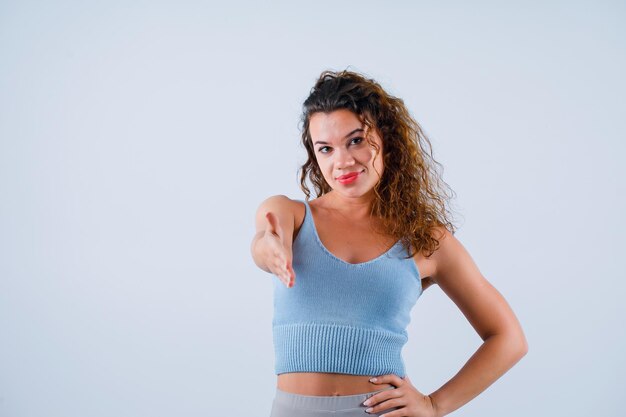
{"points": [[287, 404]]}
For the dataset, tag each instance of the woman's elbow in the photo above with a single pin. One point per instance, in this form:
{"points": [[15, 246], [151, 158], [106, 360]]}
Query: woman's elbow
{"points": [[522, 345]]}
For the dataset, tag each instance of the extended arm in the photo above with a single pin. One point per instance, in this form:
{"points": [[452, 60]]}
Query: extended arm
{"points": [[280, 206]]}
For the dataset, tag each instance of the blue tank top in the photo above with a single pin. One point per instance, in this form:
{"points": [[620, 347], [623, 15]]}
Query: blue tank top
{"points": [[341, 317]]}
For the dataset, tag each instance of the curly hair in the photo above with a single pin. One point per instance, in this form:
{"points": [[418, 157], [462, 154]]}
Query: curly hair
{"points": [[411, 198]]}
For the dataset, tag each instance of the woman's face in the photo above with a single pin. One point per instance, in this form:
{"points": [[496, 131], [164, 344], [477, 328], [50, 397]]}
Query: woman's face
{"points": [[340, 145]]}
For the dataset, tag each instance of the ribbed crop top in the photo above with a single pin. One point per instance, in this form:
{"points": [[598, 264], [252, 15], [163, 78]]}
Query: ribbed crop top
{"points": [[341, 317]]}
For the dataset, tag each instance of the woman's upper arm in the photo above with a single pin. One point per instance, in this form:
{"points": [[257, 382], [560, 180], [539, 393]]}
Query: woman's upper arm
{"points": [[480, 302]]}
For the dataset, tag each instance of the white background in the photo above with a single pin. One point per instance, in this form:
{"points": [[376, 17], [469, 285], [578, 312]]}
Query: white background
{"points": [[137, 140]]}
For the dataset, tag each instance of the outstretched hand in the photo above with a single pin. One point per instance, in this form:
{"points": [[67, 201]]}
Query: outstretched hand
{"points": [[405, 398], [278, 258]]}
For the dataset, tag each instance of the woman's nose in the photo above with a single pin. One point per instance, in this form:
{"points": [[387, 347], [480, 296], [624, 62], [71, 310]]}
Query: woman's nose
{"points": [[344, 158]]}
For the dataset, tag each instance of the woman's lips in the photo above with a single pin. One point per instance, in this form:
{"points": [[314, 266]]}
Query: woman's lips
{"points": [[350, 179]]}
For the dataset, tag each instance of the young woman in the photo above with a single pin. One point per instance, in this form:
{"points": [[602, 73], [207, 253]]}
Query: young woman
{"points": [[349, 265]]}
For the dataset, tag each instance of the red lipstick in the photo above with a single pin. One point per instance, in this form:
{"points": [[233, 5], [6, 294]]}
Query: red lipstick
{"points": [[348, 178]]}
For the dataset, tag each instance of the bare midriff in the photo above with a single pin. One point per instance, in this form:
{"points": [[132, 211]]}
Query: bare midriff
{"points": [[325, 384]]}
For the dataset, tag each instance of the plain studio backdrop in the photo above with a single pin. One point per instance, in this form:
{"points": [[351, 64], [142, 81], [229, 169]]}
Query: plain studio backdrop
{"points": [[138, 139]]}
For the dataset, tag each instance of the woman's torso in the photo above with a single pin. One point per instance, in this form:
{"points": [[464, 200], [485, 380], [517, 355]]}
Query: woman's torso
{"points": [[332, 229]]}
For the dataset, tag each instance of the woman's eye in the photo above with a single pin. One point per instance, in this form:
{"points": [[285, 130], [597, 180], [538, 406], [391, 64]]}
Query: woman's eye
{"points": [[359, 139]]}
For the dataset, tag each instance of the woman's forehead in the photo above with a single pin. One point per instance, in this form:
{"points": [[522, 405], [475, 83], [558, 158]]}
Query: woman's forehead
{"points": [[334, 126]]}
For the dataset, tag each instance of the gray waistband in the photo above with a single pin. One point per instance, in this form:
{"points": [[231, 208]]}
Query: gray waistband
{"points": [[325, 402]]}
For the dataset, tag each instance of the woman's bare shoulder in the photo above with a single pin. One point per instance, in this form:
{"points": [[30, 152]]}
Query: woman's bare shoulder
{"points": [[451, 257], [427, 265], [299, 211]]}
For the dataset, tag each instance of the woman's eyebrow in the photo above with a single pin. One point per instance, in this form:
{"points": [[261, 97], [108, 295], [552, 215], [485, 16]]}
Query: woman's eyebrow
{"points": [[321, 142]]}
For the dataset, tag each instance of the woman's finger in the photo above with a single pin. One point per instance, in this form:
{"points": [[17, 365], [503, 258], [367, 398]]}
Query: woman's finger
{"points": [[292, 273], [279, 268]]}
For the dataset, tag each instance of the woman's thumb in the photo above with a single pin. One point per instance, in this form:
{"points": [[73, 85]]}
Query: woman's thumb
{"points": [[273, 224]]}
